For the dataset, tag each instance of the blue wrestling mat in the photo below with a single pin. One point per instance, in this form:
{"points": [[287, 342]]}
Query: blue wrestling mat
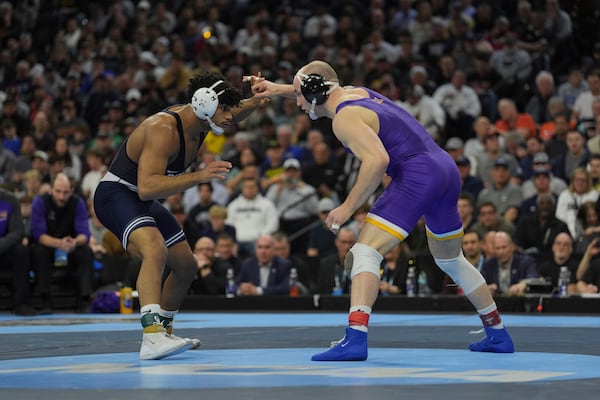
{"points": [[261, 353]]}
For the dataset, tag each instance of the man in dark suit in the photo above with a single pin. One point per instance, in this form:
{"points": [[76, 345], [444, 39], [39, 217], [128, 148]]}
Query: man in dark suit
{"points": [[507, 272], [264, 273]]}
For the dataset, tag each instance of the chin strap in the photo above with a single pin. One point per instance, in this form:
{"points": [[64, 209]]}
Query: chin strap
{"points": [[217, 130]]}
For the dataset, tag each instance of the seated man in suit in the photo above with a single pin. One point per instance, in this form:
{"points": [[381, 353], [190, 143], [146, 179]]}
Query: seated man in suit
{"points": [[264, 273], [506, 273]]}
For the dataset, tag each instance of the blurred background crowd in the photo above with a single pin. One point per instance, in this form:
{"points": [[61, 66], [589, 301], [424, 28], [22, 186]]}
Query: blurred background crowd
{"points": [[511, 89]]}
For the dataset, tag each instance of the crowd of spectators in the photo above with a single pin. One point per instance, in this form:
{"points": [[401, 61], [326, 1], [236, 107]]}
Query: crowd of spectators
{"points": [[511, 89]]}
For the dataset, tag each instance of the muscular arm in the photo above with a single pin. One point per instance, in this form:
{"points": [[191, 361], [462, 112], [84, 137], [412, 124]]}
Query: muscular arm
{"points": [[159, 144], [247, 107], [350, 126]]}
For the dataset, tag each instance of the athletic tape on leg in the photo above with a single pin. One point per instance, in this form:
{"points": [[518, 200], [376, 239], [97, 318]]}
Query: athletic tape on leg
{"points": [[462, 272], [362, 258]]}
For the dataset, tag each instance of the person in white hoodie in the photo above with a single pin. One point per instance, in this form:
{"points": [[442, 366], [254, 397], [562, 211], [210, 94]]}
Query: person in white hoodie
{"points": [[252, 215]]}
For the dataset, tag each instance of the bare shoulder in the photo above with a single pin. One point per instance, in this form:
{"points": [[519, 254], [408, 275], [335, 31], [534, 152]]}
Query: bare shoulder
{"points": [[156, 134]]}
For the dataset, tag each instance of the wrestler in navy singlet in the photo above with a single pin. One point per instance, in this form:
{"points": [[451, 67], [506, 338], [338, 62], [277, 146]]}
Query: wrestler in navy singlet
{"points": [[413, 156], [118, 205]]}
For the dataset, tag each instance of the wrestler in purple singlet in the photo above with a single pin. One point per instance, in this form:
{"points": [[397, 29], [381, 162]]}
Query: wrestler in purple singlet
{"points": [[425, 180]]}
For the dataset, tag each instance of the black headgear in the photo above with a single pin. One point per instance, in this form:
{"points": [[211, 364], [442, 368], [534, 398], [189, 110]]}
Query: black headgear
{"points": [[315, 88]]}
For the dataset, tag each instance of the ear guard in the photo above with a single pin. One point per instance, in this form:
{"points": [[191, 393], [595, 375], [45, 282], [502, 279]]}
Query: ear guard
{"points": [[315, 90], [205, 102]]}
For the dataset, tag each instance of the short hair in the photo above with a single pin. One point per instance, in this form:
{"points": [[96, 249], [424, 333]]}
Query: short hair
{"points": [[487, 204], [280, 237], [476, 233], [207, 184], [467, 196], [217, 211], [230, 96]]}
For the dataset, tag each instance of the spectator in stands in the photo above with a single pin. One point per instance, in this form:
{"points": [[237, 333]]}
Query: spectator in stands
{"points": [[393, 271], [472, 247], [502, 193], [486, 159], [461, 104], [251, 215], [332, 277], [594, 168], [587, 226], [561, 255], [263, 273], [217, 215], [541, 182], [541, 162], [226, 249], [96, 170], [507, 272], [466, 206], [514, 66], [425, 109], [536, 231], [73, 167], [511, 120], [571, 199], [14, 253], [537, 106], [573, 87], [588, 270], [582, 109], [593, 132], [198, 214], [296, 202], [475, 144], [576, 156], [322, 172], [23, 161], [321, 241], [282, 250], [59, 225], [285, 139], [488, 220], [272, 169], [7, 163], [211, 274], [470, 184], [546, 129], [557, 145]]}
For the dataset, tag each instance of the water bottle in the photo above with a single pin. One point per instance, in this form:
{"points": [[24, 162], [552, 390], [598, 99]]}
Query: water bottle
{"points": [[294, 290], [410, 282], [61, 258], [423, 288], [563, 281], [230, 287], [126, 294], [337, 287]]}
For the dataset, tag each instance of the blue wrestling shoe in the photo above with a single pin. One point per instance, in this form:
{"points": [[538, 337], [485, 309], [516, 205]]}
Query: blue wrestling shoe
{"points": [[496, 341], [353, 347]]}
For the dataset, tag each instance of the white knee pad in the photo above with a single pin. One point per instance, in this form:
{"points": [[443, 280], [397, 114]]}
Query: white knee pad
{"points": [[362, 258], [462, 273]]}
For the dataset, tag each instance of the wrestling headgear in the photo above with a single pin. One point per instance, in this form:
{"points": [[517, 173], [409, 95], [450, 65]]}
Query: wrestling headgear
{"points": [[315, 90], [205, 102]]}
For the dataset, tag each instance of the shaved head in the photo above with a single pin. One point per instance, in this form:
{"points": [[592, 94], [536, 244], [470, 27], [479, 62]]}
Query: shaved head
{"points": [[320, 68]]}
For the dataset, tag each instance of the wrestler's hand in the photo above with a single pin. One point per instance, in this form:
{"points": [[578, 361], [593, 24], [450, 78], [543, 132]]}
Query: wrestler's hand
{"points": [[337, 217], [263, 88], [215, 169]]}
